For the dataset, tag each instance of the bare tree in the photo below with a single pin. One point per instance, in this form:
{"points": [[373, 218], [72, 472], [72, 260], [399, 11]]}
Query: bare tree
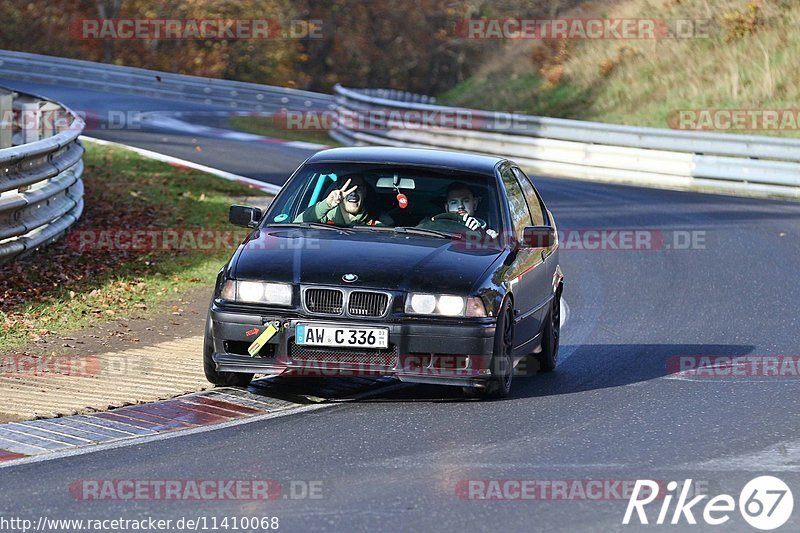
{"points": [[108, 9]]}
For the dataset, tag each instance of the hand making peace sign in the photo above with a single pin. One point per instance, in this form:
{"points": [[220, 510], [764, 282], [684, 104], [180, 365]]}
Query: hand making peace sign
{"points": [[337, 195]]}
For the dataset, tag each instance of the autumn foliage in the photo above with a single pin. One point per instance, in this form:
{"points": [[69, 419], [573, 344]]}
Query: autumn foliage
{"points": [[393, 43]]}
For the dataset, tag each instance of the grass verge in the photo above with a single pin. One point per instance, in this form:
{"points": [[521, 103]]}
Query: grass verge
{"points": [[738, 56], [95, 274]]}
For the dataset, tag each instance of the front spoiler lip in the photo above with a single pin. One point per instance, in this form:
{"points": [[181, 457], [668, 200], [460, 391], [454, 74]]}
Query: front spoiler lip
{"points": [[237, 363]]}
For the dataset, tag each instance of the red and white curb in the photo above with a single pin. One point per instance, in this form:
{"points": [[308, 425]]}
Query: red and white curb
{"points": [[44, 439], [37, 437]]}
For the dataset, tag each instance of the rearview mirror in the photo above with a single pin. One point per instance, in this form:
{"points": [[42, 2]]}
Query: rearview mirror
{"points": [[538, 237], [389, 183], [242, 215]]}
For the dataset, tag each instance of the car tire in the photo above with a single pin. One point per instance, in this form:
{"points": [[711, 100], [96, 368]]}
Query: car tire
{"points": [[502, 364], [220, 379], [551, 336]]}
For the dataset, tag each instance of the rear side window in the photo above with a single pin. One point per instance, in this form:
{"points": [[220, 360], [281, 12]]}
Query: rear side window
{"points": [[520, 216], [531, 197]]}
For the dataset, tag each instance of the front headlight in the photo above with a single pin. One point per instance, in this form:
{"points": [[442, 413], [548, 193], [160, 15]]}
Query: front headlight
{"points": [[418, 303], [451, 305], [257, 292], [423, 304]]}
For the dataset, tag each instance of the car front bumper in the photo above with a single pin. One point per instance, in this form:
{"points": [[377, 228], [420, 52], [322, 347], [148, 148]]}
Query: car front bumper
{"points": [[420, 350]]}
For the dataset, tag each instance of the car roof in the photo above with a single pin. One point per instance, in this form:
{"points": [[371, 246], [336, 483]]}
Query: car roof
{"points": [[466, 162]]}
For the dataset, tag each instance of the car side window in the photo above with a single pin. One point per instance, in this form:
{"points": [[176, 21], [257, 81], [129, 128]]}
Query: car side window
{"points": [[520, 215], [531, 197]]}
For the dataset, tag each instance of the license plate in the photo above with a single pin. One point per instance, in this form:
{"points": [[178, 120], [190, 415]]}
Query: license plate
{"points": [[315, 335]]}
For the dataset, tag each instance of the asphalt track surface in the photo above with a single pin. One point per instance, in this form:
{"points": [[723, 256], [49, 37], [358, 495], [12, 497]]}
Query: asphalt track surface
{"points": [[613, 411]]}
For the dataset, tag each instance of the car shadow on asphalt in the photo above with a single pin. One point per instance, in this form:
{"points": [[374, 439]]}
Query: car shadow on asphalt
{"points": [[314, 390], [598, 366], [584, 368]]}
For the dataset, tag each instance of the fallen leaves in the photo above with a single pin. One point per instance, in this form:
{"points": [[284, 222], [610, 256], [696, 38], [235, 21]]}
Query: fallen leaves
{"points": [[61, 283]]}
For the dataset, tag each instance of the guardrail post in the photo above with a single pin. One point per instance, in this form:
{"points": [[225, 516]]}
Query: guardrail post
{"points": [[30, 121], [6, 118], [49, 117]]}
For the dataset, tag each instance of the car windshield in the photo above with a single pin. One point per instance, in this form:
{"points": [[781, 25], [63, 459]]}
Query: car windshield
{"points": [[364, 196]]}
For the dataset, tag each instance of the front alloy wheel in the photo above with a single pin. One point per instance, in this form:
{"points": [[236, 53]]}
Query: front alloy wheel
{"points": [[502, 365]]}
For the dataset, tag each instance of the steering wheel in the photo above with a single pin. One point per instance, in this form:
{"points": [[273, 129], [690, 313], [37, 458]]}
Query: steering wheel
{"points": [[452, 222], [441, 217], [458, 218]]}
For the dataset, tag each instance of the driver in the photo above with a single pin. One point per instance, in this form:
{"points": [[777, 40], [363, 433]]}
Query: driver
{"points": [[462, 202], [345, 206]]}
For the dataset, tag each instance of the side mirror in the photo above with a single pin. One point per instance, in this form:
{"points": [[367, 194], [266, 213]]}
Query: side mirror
{"points": [[538, 237], [242, 215]]}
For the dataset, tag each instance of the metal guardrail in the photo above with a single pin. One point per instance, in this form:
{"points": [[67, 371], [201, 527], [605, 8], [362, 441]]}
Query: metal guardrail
{"points": [[41, 191], [398, 95], [234, 95], [578, 149]]}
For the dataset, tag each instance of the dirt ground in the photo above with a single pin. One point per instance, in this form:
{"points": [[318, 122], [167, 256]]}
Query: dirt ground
{"points": [[108, 364]]}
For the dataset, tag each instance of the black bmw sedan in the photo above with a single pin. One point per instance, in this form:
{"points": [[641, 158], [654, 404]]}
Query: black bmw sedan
{"points": [[431, 266]]}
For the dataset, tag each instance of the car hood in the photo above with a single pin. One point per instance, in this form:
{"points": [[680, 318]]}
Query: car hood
{"points": [[391, 261]]}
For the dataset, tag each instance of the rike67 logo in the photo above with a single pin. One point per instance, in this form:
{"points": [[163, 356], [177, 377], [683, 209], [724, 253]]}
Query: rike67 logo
{"points": [[765, 503]]}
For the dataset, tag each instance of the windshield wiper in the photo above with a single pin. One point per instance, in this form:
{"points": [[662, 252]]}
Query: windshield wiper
{"points": [[316, 225], [398, 229], [374, 228], [429, 232]]}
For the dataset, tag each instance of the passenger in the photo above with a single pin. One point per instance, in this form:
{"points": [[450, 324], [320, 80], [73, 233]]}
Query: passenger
{"points": [[345, 206]]}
